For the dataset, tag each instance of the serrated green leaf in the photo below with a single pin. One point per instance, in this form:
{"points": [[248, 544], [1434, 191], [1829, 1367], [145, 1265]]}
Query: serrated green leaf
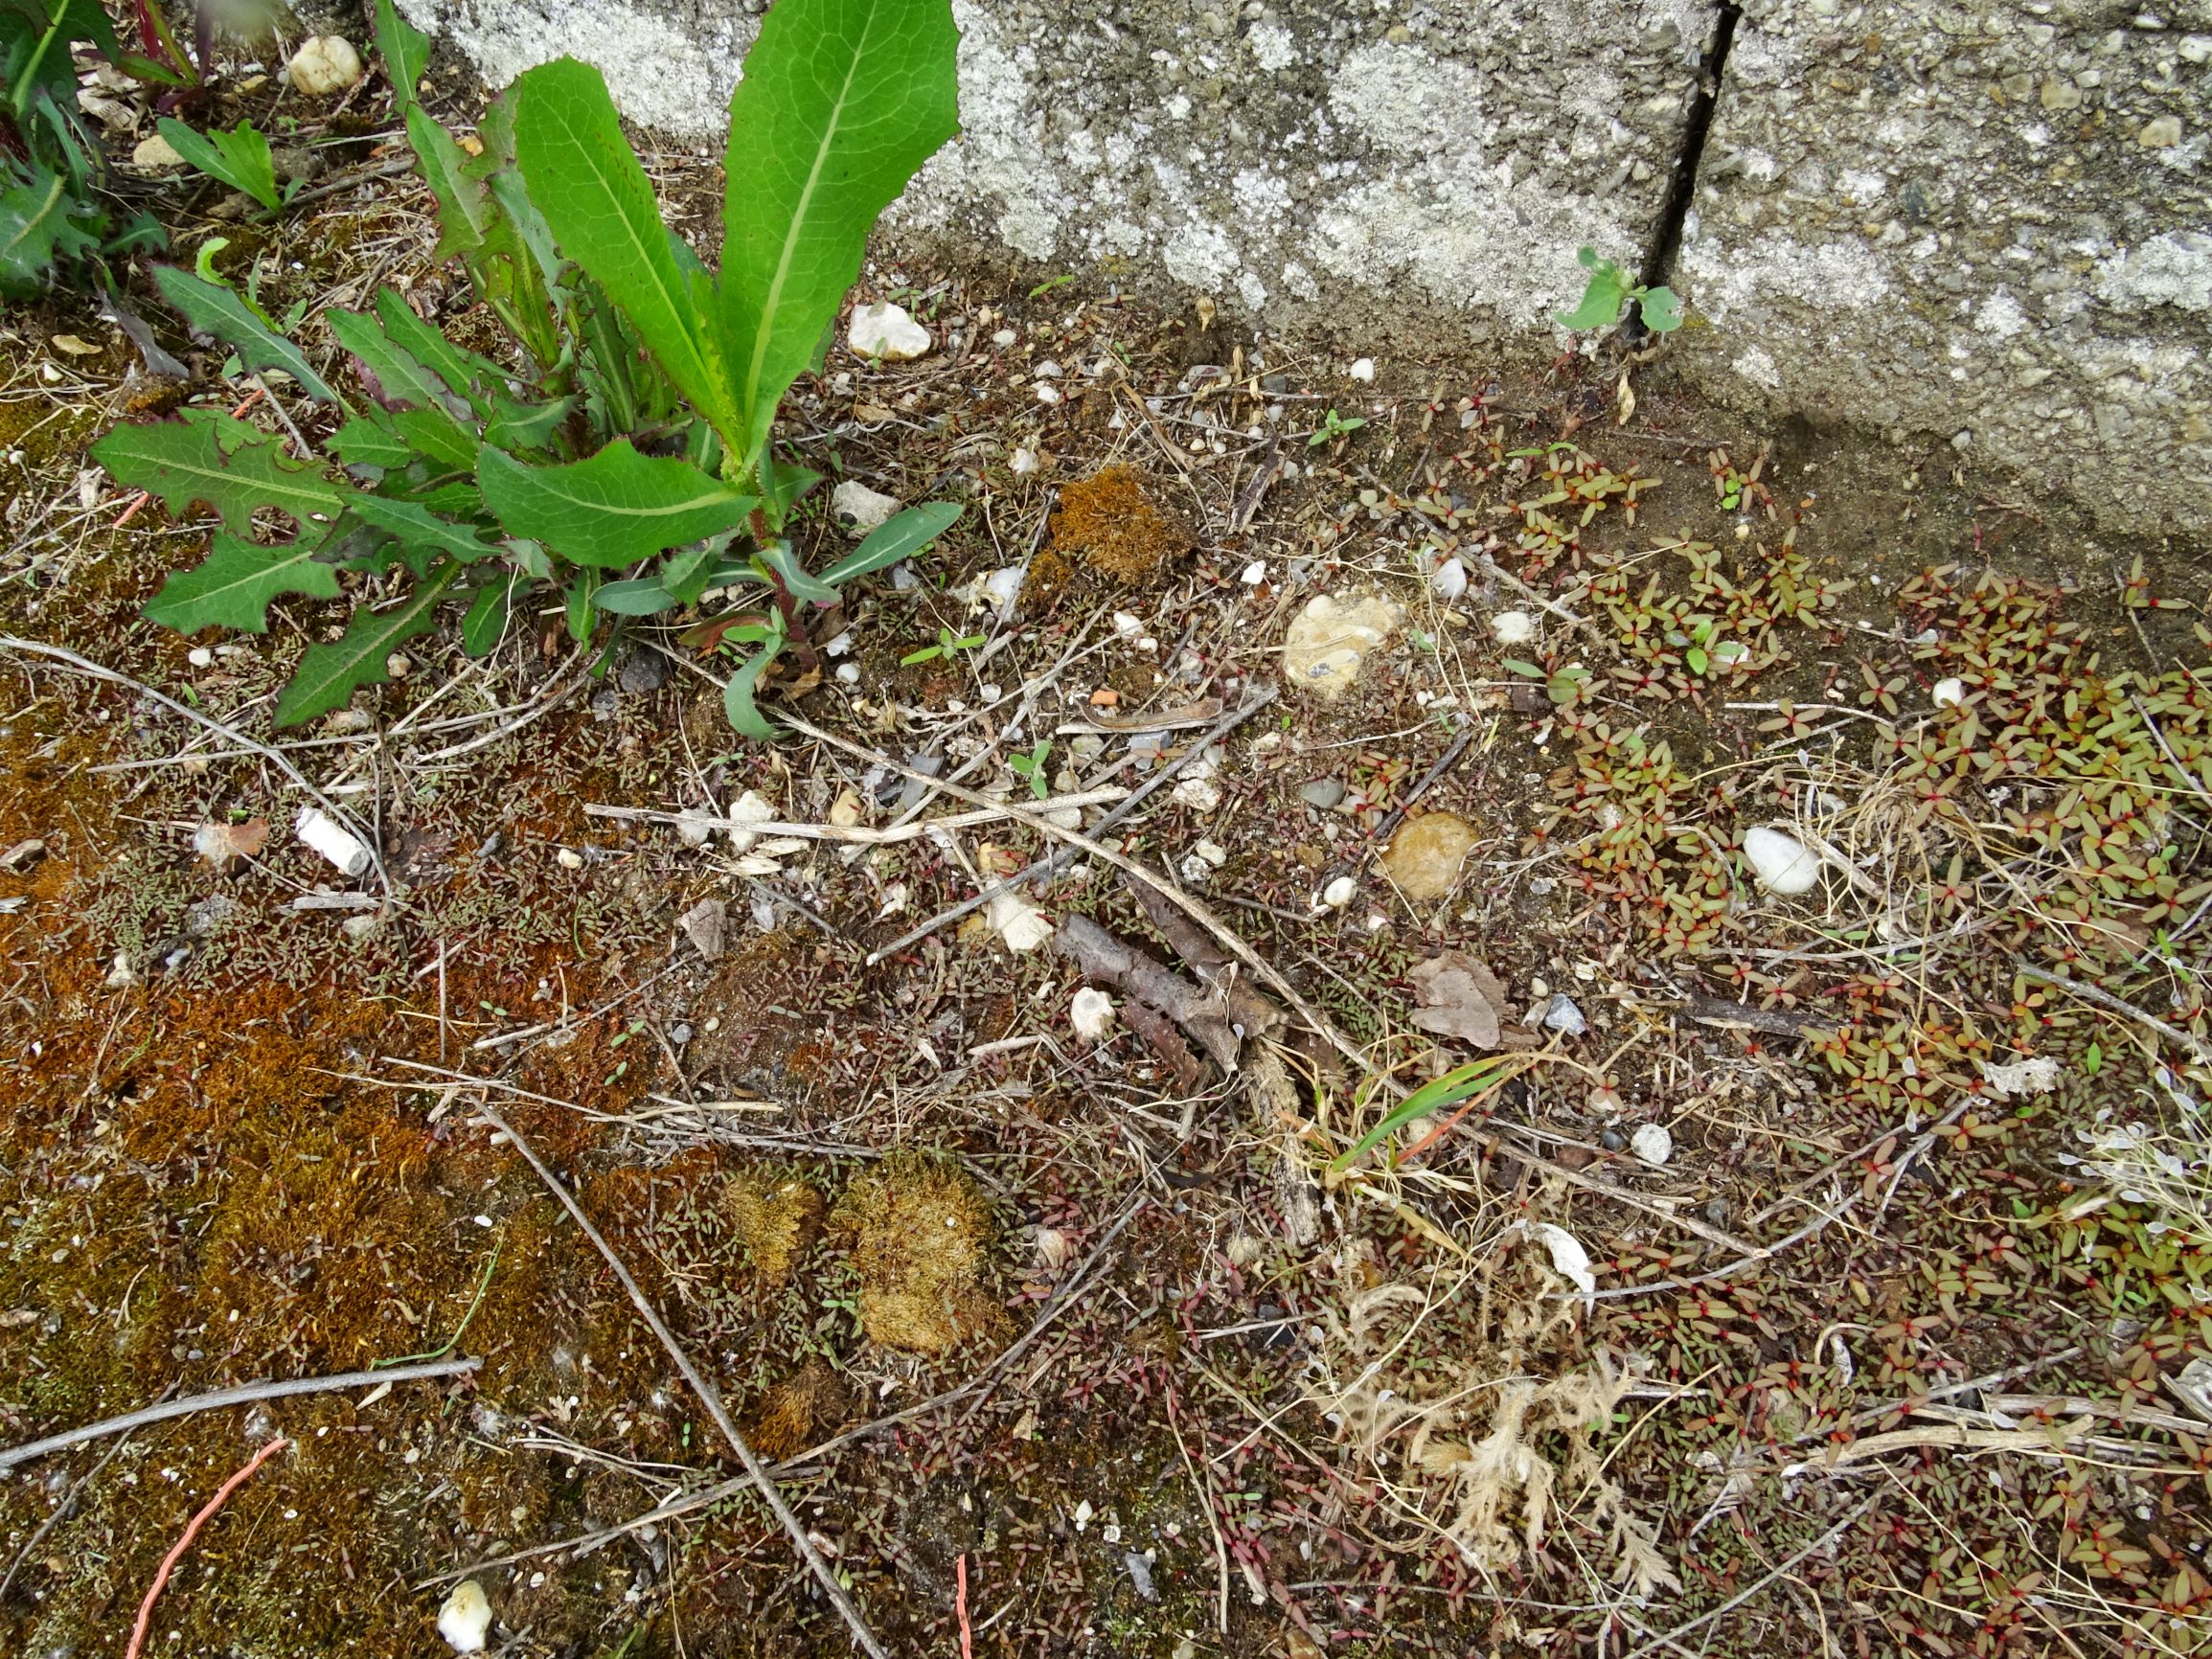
{"points": [[34, 225], [898, 538], [207, 456], [216, 309], [464, 210], [644, 597], [331, 673], [840, 104], [415, 526], [239, 158], [405, 50], [613, 509], [485, 624], [437, 437], [600, 209], [233, 586], [463, 371], [738, 705], [370, 440], [395, 377], [1662, 311]]}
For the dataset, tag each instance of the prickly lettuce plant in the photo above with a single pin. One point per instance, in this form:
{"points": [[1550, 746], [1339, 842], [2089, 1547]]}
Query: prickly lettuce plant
{"points": [[624, 454], [1608, 294]]}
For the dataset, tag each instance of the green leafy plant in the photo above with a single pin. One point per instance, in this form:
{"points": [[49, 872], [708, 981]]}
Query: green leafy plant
{"points": [[1462, 1083], [948, 644], [1031, 769], [239, 158], [1332, 427], [1608, 294], [622, 453], [54, 219]]}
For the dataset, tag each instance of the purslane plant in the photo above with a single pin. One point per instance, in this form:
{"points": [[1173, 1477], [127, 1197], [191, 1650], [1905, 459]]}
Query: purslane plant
{"points": [[625, 455]]}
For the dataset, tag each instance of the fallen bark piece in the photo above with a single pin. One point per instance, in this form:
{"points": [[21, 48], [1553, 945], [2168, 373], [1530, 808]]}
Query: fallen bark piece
{"points": [[337, 844], [1107, 961]]}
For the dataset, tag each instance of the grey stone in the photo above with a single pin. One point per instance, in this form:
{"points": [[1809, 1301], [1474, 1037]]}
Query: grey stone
{"points": [[1922, 208], [1322, 792]]}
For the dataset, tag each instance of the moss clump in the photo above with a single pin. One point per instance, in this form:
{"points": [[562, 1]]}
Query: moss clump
{"points": [[1112, 520], [797, 1412], [776, 1218], [921, 1233]]}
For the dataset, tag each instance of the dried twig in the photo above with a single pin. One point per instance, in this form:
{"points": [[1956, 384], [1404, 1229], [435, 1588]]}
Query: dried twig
{"points": [[1671, 1637], [859, 834], [2199, 1051], [176, 1554], [248, 1394], [709, 1394]]}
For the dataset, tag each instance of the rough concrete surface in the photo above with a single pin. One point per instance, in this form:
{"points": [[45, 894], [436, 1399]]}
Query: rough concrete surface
{"points": [[1294, 159], [1991, 223]]}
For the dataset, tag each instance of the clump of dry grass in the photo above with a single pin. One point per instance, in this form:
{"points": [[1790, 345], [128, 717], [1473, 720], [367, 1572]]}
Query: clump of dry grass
{"points": [[921, 1232], [776, 1218], [1121, 529], [793, 1414], [1462, 1444]]}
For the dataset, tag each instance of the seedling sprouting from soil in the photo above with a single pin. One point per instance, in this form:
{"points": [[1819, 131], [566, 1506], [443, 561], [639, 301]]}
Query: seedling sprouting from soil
{"points": [[1609, 294]]}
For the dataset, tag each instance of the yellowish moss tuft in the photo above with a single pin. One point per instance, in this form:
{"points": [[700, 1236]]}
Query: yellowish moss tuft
{"points": [[776, 1218], [921, 1233]]}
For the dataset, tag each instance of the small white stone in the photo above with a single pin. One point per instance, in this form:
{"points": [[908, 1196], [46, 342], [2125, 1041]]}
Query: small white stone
{"points": [[324, 64], [750, 807], [1652, 1144], [1018, 922], [1363, 368], [1255, 573], [1339, 893], [1047, 392], [1512, 628], [886, 331], [569, 859], [333, 842], [1126, 626], [398, 665], [859, 508], [1947, 692], [1199, 794], [1448, 579], [1212, 853], [849, 673], [1004, 337], [1092, 1013], [1783, 864], [1023, 463], [466, 1618], [201, 657]]}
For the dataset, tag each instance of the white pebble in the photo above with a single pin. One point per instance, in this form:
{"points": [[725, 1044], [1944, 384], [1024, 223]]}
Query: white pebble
{"points": [[1652, 1144], [1363, 368], [568, 858], [1448, 579], [201, 657], [1092, 1013], [1512, 628], [466, 1618], [859, 508], [324, 64], [886, 331], [1339, 893], [1255, 573], [1047, 393], [337, 844], [1023, 462], [1947, 692], [1783, 862]]}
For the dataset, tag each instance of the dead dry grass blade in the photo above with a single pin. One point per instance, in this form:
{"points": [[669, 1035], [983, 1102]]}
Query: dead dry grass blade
{"points": [[709, 1394], [86, 665], [249, 1394]]}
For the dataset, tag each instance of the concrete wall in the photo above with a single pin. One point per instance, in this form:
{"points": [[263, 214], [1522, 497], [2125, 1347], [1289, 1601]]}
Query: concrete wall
{"points": [[1983, 221]]}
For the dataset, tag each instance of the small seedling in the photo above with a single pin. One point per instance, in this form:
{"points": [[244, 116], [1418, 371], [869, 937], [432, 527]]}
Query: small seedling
{"points": [[1334, 427], [1031, 766], [948, 644], [1609, 294], [239, 158]]}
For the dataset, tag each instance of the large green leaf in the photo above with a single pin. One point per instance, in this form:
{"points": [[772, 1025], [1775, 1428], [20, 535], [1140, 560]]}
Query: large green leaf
{"points": [[903, 535], [395, 377], [485, 624], [331, 673], [241, 157], [437, 437], [841, 103], [233, 586], [463, 371], [369, 441], [405, 50], [210, 457], [738, 705], [600, 205], [611, 510], [33, 214], [221, 312], [466, 215]]}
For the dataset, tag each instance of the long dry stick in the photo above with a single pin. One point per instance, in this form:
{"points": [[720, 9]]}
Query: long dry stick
{"points": [[709, 1395], [1737, 1601], [248, 1394], [2198, 1050], [176, 1554], [86, 665]]}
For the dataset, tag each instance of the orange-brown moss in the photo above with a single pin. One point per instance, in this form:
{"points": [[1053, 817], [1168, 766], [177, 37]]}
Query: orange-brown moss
{"points": [[1113, 520], [797, 1412]]}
